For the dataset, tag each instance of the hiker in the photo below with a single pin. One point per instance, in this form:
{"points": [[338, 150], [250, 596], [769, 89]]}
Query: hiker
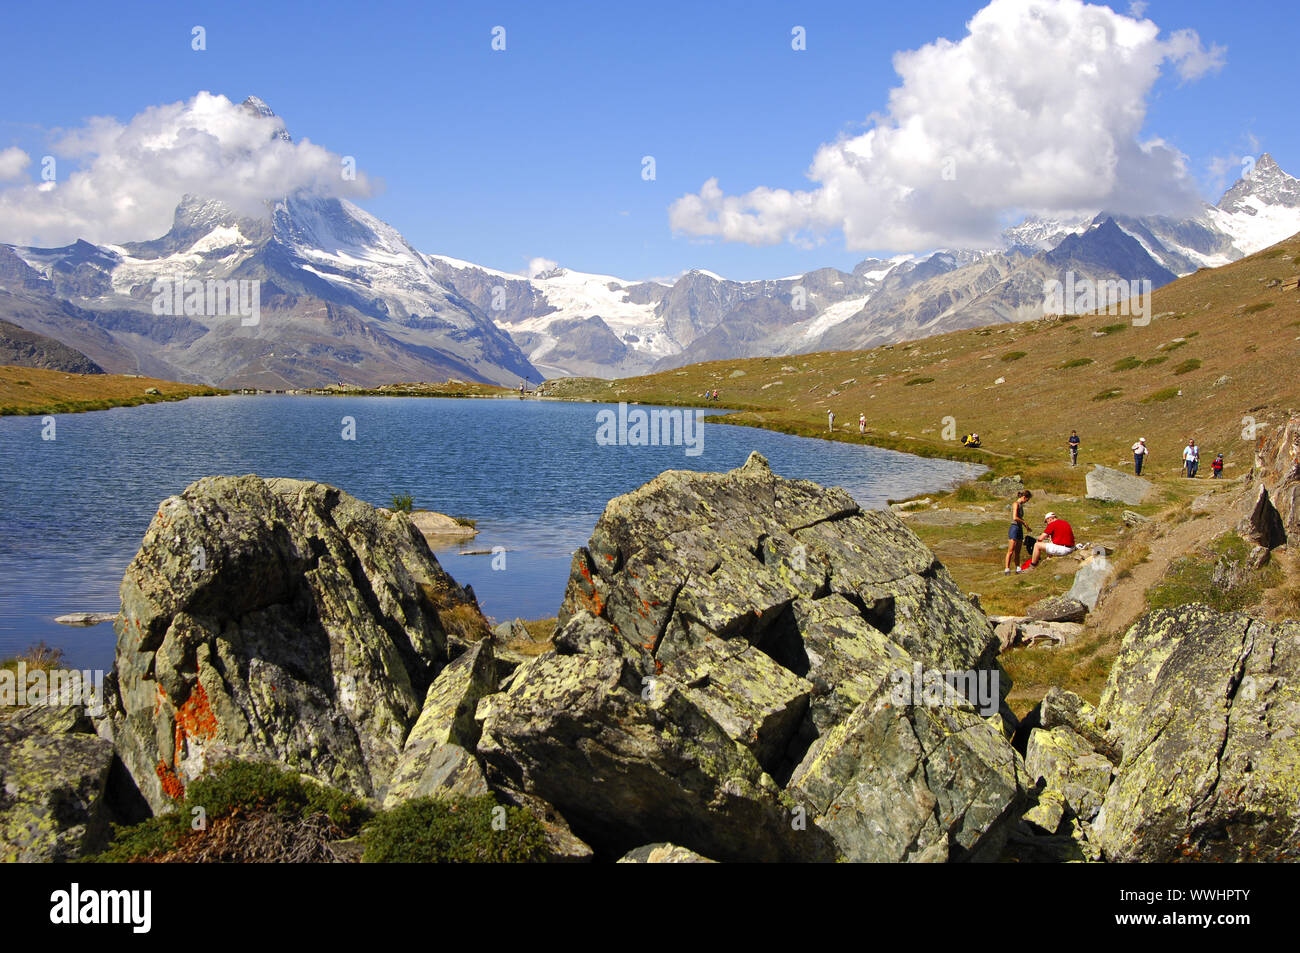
{"points": [[1216, 468], [1140, 452], [1191, 459], [830, 417], [1057, 539], [1016, 534], [970, 440], [862, 423], [1073, 444]]}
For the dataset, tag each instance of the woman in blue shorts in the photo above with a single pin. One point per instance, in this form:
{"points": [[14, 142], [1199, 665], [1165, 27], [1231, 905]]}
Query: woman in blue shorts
{"points": [[1016, 534]]}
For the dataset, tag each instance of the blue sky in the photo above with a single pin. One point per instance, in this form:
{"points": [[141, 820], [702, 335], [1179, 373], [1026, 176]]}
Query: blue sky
{"points": [[500, 157]]}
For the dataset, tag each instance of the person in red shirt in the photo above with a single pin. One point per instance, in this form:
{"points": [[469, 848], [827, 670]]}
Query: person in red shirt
{"points": [[1057, 539]]}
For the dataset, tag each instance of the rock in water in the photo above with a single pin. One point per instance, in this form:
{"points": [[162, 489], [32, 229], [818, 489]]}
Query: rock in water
{"points": [[734, 674], [1205, 708], [1106, 484], [279, 620]]}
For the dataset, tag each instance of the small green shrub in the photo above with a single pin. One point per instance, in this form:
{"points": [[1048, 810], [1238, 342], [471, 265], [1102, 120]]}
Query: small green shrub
{"points": [[1112, 328], [465, 521], [1076, 362], [1172, 345], [1168, 393], [1126, 364], [402, 502], [1257, 308], [1153, 361], [1013, 355], [918, 380], [465, 830], [230, 788], [1187, 366], [1107, 394]]}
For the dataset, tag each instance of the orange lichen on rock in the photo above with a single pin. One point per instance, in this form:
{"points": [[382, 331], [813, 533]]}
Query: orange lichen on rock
{"points": [[195, 718], [171, 784]]}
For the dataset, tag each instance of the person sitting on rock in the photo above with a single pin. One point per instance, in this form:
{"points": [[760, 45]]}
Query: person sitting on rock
{"points": [[1057, 539]]}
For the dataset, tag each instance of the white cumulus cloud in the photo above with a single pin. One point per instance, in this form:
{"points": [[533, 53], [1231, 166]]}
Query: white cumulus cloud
{"points": [[12, 162], [129, 176], [1038, 109]]}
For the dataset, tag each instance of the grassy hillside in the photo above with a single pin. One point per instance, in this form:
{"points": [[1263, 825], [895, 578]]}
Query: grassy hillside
{"points": [[33, 390], [1222, 344]]}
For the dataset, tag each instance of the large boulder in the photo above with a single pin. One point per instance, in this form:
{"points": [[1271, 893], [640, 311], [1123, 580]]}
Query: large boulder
{"points": [[54, 779], [1263, 525], [280, 620], [725, 634], [1204, 708], [1103, 483]]}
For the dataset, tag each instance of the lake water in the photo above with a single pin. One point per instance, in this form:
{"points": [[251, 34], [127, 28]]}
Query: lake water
{"points": [[73, 509]]}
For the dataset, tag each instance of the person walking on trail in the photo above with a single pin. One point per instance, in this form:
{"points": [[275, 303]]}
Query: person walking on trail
{"points": [[1073, 444], [1139, 455], [1216, 468], [862, 423], [1057, 539], [1016, 534], [1191, 459], [830, 418]]}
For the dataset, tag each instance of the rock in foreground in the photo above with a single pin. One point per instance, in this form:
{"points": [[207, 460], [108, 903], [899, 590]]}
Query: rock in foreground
{"points": [[278, 620], [738, 672], [1205, 709]]}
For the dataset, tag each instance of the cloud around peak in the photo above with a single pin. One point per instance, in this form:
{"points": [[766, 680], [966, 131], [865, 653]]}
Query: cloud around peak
{"points": [[1038, 109], [128, 177]]}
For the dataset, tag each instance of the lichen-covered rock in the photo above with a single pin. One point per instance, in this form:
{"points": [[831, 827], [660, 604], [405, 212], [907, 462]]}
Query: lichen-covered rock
{"points": [[913, 783], [1205, 708], [620, 764], [54, 774], [1071, 769], [1278, 468], [281, 620], [663, 854], [436, 758], [717, 634], [1060, 708]]}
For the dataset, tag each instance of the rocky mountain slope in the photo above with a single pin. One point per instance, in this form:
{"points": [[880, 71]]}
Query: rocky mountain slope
{"points": [[22, 348], [572, 324], [340, 297]]}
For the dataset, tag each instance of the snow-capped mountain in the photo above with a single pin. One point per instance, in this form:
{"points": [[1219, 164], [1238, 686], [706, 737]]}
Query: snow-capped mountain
{"points": [[344, 297], [341, 296]]}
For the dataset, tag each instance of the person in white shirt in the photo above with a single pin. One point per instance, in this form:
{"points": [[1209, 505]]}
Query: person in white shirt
{"points": [[1191, 458], [830, 418], [1139, 455], [862, 423]]}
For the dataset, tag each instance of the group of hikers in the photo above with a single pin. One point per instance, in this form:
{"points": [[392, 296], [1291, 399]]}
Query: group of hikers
{"points": [[1191, 459], [711, 394]]}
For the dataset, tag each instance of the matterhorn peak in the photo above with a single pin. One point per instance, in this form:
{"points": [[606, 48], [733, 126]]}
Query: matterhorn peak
{"points": [[258, 107]]}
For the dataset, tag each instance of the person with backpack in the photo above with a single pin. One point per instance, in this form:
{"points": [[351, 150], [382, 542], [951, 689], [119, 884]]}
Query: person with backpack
{"points": [[1216, 468], [1057, 539], [1139, 455], [1073, 444]]}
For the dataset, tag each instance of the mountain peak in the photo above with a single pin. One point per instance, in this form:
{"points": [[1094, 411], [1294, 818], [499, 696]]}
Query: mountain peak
{"points": [[258, 107]]}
